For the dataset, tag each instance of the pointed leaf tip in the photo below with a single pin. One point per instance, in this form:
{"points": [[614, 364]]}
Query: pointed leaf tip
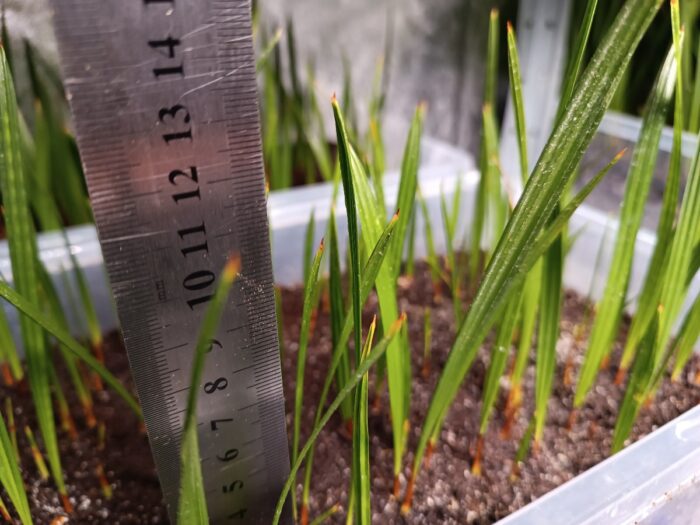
{"points": [[233, 267], [509, 26], [620, 155]]}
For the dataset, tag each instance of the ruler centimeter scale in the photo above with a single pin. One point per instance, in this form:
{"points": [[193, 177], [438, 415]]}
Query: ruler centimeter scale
{"points": [[163, 93]]}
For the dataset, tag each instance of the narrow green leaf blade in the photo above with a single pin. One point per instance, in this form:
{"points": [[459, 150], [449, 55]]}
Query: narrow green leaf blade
{"points": [[542, 193], [609, 309], [357, 376], [192, 505]]}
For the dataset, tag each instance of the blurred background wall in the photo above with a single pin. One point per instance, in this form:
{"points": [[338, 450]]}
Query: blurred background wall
{"points": [[437, 50]]}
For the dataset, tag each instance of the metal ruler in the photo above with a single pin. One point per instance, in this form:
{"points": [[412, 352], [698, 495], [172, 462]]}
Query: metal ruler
{"points": [[164, 98]]}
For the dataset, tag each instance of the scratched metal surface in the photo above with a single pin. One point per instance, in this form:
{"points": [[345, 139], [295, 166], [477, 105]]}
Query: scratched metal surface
{"points": [[164, 99]]}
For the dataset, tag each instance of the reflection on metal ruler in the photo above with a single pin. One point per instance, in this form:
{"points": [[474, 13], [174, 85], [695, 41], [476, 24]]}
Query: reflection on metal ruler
{"points": [[164, 98]]}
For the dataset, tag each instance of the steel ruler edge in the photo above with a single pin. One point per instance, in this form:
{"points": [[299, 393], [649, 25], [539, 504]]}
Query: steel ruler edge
{"points": [[163, 94]]}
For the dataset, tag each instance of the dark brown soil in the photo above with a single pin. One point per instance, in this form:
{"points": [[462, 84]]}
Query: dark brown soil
{"points": [[125, 457], [446, 492]]}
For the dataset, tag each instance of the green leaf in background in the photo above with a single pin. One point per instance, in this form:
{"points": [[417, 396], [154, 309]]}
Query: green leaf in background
{"points": [[497, 206], [499, 359], [648, 300], [304, 336], [516, 91], [355, 182], [337, 305], [637, 387], [351, 211], [542, 193], [192, 504], [11, 477], [427, 342], [575, 64], [451, 258], [356, 378], [431, 255], [360, 440], [408, 184], [54, 310], [34, 314], [686, 339], [532, 285], [88, 309], [369, 274], [548, 331], [641, 172], [482, 194], [675, 281], [307, 256], [12, 367], [21, 240]]}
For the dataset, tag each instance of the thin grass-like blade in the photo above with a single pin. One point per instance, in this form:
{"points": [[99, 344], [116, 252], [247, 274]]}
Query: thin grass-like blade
{"points": [[542, 193], [9, 350], [451, 258], [369, 275], [21, 240], [516, 90], [357, 376], [192, 504], [431, 255], [427, 341], [637, 387], [609, 309], [360, 441], [407, 188], [675, 281], [686, 339], [548, 332], [498, 206], [694, 122], [575, 64], [54, 309], [482, 194], [499, 359], [356, 182], [351, 210], [335, 286], [531, 288], [308, 245], [649, 297], [304, 336], [10, 476], [411, 248], [270, 46], [53, 328]]}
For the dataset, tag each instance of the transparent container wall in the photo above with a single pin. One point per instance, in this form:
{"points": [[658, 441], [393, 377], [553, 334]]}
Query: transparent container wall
{"points": [[618, 132], [656, 481]]}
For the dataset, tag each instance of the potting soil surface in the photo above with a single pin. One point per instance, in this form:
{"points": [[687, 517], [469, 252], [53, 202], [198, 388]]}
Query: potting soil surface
{"points": [[446, 491]]}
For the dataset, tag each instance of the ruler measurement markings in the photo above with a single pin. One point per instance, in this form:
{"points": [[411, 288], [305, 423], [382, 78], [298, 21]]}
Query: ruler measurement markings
{"points": [[164, 428]]}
